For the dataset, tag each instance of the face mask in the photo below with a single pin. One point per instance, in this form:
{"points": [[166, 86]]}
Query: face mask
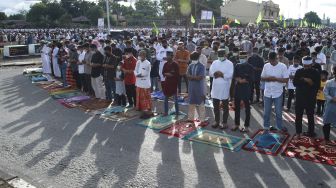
{"points": [[242, 60], [234, 54], [194, 62], [127, 56], [118, 67], [221, 58]]}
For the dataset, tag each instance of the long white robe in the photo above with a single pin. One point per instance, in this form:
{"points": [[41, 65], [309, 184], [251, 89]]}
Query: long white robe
{"points": [[46, 66], [57, 71], [221, 86]]}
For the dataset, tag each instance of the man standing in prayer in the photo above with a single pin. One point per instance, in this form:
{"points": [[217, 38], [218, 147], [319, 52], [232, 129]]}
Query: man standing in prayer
{"points": [[274, 74], [143, 83], [307, 82], [46, 64], [128, 68], [182, 58], [243, 79], [56, 68], [109, 70], [96, 73], [196, 75], [257, 63], [329, 116], [222, 71], [170, 72]]}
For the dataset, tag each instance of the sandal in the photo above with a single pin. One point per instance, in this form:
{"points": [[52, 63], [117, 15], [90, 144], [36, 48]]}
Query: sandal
{"points": [[223, 126], [244, 130], [235, 128]]}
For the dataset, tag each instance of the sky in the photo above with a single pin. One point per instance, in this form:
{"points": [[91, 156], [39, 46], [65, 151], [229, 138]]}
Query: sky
{"points": [[289, 8]]}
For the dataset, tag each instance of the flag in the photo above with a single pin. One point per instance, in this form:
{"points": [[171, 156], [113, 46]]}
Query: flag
{"points": [[284, 24], [293, 22], [267, 25], [305, 23], [192, 19], [155, 29], [237, 21], [280, 18], [259, 18], [301, 23], [313, 25], [275, 21], [213, 20]]}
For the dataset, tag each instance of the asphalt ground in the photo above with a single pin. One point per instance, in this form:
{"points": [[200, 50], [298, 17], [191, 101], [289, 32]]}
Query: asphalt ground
{"points": [[52, 146]]}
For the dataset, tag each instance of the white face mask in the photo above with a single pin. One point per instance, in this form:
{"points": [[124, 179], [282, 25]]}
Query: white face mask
{"points": [[235, 54], [221, 58], [194, 61], [242, 60], [118, 67]]}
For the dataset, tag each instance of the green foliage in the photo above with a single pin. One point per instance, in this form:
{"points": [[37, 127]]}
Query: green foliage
{"points": [[312, 18], [94, 13], [3, 16], [18, 16]]}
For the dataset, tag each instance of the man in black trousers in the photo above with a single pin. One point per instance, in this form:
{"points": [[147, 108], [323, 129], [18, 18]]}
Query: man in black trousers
{"points": [[257, 63], [307, 82]]}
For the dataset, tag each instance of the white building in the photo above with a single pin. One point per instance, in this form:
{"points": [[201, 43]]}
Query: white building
{"points": [[247, 11]]}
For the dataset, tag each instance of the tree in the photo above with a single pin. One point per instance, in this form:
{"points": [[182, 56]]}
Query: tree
{"points": [[94, 13], [3, 16], [55, 11], [76, 7], [145, 10], [37, 13], [312, 18], [65, 19], [18, 16]]}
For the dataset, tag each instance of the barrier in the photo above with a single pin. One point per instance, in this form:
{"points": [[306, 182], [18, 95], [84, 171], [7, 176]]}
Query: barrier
{"points": [[15, 51]]}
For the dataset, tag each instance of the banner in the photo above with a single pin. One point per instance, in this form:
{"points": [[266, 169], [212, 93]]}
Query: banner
{"points": [[206, 15], [101, 23]]}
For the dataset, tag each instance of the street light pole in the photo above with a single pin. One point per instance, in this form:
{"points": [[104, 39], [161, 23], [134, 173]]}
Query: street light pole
{"points": [[108, 15]]}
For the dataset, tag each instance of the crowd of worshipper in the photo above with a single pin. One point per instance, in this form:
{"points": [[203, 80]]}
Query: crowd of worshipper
{"points": [[252, 67]]}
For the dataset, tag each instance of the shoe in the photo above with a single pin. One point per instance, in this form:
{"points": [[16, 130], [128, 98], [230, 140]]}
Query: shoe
{"points": [[284, 129], [223, 126], [312, 135], [244, 130], [273, 129], [215, 126]]}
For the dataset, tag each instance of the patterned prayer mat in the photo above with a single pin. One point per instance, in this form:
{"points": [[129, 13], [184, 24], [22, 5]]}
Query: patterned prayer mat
{"points": [[38, 78], [113, 110], [217, 139], [121, 116], [93, 104], [290, 117], [311, 149], [182, 128], [50, 86], [270, 143], [62, 91], [66, 95], [160, 122], [66, 103]]}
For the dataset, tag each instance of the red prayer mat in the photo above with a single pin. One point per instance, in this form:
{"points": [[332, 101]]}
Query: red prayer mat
{"points": [[311, 149], [182, 128], [93, 104]]}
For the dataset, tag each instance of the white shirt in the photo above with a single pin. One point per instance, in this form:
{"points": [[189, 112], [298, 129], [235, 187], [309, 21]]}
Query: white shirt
{"points": [[274, 89], [322, 57], [221, 86], [143, 68], [291, 71]]}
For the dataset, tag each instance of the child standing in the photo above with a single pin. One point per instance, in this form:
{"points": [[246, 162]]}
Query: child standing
{"points": [[320, 99], [120, 87]]}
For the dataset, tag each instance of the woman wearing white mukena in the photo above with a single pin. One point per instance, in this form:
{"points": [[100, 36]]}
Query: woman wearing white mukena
{"points": [[46, 63], [222, 71], [57, 71]]}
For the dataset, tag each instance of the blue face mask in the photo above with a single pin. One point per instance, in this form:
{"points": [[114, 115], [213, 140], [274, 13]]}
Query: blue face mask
{"points": [[242, 60]]}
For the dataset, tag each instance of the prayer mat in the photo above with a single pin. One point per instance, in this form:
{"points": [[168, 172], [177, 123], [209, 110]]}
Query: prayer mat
{"points": [[66, 95], [123, 116], [311, 149], [77, 99], [217, 139], [270, 143], [62, 91], [290, 117], [67, 104], [183, 128], [160, 122], [32, 70], [49, 86], [157, 95], [38, 78], [113, 110], [93, 104]]}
